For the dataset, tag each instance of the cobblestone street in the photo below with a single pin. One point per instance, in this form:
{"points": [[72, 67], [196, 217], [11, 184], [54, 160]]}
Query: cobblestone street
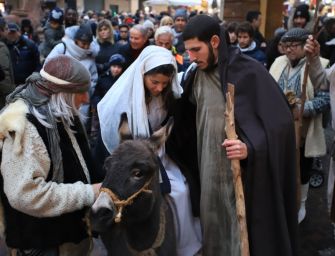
{"points": [[317, 236]]}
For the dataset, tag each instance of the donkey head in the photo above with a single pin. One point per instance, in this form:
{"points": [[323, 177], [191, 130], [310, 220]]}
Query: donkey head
{"points": [[131, 167]]}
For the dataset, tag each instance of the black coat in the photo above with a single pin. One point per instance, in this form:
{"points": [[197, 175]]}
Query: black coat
{"points": [[130, 54], [107, 49], [25, 58], [2, 74], [105, 82], [264, 122]]}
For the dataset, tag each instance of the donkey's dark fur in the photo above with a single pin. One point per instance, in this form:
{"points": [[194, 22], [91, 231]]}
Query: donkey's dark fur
{"points": [[128, 168]]}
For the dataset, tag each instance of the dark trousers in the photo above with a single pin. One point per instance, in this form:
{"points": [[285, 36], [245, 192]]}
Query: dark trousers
{"points": [[306, 164]]}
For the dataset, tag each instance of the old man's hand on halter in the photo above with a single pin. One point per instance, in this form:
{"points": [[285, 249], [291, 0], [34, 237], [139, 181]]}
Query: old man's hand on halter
{"points": [[96, 189], [236, 149]]}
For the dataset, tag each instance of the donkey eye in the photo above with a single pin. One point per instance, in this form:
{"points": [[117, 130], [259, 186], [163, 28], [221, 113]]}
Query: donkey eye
{"points": [[137, 173]]}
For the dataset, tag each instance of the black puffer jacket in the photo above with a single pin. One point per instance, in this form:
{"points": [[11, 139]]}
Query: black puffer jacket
{"points": [[107, 49]]}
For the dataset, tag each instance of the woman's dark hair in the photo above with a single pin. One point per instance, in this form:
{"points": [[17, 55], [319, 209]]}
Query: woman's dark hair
{"points": [[202, 27], [232, 27], [272, 50], [245, 27], [167, 94]]}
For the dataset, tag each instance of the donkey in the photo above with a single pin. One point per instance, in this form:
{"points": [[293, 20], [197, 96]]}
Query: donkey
{"points": [[130, 214]]}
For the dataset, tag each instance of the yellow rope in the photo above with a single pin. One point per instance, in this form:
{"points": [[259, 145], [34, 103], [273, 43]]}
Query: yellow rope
{"points": [[120, 204]]}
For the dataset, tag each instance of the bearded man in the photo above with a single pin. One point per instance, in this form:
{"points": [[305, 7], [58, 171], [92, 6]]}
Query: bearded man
{"points": [[264, 125]]}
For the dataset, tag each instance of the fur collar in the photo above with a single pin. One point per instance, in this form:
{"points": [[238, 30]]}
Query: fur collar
{"points": [[13, 119]]}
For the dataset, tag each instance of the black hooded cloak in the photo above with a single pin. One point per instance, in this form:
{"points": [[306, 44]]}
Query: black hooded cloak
{"points": [[264, 122]]}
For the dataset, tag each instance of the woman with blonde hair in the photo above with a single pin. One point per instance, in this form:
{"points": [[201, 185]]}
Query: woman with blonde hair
{"points": [[105, 39], [167, 21]]}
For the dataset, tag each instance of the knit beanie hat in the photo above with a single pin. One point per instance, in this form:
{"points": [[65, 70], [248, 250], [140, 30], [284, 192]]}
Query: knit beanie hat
{"points": [[84, 33], [64, 74], [302, 11], [117, 59], [180, 13], [56, 15], [295, 35]]}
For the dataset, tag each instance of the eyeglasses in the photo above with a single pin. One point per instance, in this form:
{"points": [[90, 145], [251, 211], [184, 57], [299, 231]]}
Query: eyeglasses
{"points": [[290, 46]]}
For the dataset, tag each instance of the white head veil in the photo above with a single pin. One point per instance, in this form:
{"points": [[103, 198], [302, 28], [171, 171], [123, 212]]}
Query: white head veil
{"points": [[128, 95]]}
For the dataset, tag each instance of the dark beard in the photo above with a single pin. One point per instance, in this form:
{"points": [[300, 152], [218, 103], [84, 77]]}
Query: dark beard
{"points": [[211, 64]]}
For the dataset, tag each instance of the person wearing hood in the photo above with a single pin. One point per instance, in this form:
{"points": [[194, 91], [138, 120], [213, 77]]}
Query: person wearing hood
{"points": [[264, 146], [105, 82], [146, 91], [108, 78], [77, 43], [247, 44], [53, 31]]}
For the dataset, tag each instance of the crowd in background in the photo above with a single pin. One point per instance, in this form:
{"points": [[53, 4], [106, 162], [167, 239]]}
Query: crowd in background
{"points": [[107, 44]]}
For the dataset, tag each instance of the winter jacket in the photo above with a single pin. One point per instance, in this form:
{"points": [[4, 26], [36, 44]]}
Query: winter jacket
{"points": [[130, 54], [254, 52], [7, 82], [52, 38], [25, 59], [105, 82], [86, 57], [106, 50]]}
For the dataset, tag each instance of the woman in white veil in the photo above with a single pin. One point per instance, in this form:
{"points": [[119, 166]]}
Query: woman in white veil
{"points": [[146, 91]]}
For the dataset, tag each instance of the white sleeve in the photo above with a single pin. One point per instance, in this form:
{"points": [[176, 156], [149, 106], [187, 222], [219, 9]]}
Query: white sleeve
{"points": [[56, 51], [25, 182]]}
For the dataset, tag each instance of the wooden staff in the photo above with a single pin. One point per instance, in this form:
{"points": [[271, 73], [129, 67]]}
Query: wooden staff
{"points": [[298, 123], [236, 169]]}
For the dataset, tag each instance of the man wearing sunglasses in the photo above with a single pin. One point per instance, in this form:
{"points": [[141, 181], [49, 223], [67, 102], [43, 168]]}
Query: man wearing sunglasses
{"points": [[288, 71]]}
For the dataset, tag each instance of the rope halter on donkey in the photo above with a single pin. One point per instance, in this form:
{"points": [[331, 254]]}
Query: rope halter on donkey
{"points": [[120, 204]]}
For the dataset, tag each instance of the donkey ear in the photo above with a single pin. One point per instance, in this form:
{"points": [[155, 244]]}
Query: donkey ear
{"points": [[159, 137], [124, 131]]}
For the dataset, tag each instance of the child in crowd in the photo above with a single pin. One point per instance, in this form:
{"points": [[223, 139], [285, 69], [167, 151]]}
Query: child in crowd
{"points": [[105, 82], [53, 32]]}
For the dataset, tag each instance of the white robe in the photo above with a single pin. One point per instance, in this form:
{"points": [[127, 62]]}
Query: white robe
{"points": [[188, 231], [128, 95]]}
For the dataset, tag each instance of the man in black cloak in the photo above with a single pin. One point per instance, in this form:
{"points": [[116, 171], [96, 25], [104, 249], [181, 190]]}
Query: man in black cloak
{"points": [[264, 125]]}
